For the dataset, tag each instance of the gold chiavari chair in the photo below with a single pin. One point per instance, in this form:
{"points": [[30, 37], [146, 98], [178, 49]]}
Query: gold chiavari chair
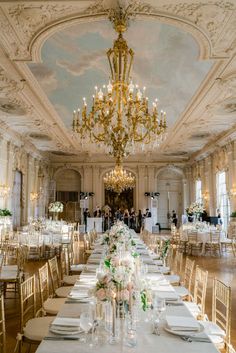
{"points": [[185, 289], [50, 305], [2, 326], [214, 244], [193, 243], [197, 306], [66, 278], [32, 327], [219, 327], [230, 349], [59, 290]]}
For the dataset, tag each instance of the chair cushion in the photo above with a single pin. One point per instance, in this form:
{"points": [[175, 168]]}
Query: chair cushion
{"points": [[181, 291], [193, 308], [63, 292], [173, 279], [53, 305], [212, 329], [71, 279], [36, 329]]}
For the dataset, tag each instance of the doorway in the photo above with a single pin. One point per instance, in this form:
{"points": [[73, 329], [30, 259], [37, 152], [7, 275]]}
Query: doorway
{"points": [[17, 200]]}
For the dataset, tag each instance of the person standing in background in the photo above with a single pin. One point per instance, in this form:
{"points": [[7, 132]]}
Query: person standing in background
{"points": [[174, 218], [219, 216], [140, 220], [86, 215], [132, 218], [97, 212]]}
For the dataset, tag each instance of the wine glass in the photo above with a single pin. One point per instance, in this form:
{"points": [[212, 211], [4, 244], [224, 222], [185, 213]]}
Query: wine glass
{"points": [[86, 323]]}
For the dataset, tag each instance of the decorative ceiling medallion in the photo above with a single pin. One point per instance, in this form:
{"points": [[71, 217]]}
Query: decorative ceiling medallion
{"points": [[11, 108]]}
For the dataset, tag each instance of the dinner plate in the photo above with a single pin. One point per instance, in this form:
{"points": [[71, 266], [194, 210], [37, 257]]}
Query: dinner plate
{"points": [[184, 333]]}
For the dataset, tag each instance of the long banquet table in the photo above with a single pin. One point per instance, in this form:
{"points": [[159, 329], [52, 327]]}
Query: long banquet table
{"points": [[146, 340]]}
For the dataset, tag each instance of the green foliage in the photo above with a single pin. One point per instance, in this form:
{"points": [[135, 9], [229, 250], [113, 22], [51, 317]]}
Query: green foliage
{"points": [[144, 300], [165, 249], [233, 214], [4, 212], [107, 263]]}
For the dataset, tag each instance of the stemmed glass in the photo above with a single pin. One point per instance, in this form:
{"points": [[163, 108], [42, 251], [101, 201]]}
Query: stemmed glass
{"points": [[86, 323]]}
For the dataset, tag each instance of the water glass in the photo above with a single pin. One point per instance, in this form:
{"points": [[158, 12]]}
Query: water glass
{"points": [[86, 323]]}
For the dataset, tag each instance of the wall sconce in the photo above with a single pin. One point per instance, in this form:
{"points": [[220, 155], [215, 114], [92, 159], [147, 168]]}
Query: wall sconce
{"points": [[85, 195], [4, 190], [34, 196], [152, 194], [206, 196], [233, 191]]}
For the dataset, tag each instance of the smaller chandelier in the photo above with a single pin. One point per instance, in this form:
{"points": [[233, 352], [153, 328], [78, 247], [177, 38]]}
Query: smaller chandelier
{"points": [[4, 190], [119, 180]]}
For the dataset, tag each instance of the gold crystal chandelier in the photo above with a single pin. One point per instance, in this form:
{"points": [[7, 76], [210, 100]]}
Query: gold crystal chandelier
{"points": [[118, 179], [120, 118]]}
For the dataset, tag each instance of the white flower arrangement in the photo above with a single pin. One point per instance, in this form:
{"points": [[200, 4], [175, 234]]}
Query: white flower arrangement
{"points": [[56, 207], [195, 208]]}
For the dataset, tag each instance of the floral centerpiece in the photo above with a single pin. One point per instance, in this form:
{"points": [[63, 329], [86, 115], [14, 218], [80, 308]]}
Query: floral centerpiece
{"points": [[56, 207], [195, 209]]}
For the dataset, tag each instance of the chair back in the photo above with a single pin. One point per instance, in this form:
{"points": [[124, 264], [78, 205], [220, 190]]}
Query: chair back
{"points": [[27, 301], [200, 287], [215, 237], [64, 262], [54, 272], [221, 307], [2, 326], [188, 273], [44, 289], [192, 236], [178, 262]]}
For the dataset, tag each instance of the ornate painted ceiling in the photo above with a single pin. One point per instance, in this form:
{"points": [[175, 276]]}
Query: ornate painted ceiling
{"points": [[53, 53], [74, 61]]}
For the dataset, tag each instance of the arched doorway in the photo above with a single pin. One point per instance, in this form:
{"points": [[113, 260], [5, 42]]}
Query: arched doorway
{"points": [[124, 200], [17, 200], [170, 186], [68, 187]]}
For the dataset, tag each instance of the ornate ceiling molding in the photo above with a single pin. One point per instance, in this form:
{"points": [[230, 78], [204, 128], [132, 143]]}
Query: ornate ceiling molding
{"points": [[29, 24]]}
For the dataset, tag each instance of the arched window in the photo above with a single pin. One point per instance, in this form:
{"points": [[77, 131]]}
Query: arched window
{"points": [[222, 198], [198, 191]]}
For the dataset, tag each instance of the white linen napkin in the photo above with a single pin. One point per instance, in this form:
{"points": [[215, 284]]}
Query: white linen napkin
{"points": [[182, 323], [66, 321], [167, 295]]}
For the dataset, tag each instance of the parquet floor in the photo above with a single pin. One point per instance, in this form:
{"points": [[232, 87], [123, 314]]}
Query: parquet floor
{"points": [[223, 268]]}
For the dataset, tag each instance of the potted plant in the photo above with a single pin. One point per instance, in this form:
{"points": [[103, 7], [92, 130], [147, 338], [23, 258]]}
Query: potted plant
{"points": [[5, 215], [233, 216]]}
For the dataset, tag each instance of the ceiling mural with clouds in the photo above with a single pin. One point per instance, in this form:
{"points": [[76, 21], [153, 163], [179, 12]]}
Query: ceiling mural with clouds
{"points": [[74, 61]]}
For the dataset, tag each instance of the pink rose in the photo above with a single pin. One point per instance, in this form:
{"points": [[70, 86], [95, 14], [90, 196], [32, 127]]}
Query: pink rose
{"points": [[130, 286], [101, 294], [115, 261], [123, 295]]}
